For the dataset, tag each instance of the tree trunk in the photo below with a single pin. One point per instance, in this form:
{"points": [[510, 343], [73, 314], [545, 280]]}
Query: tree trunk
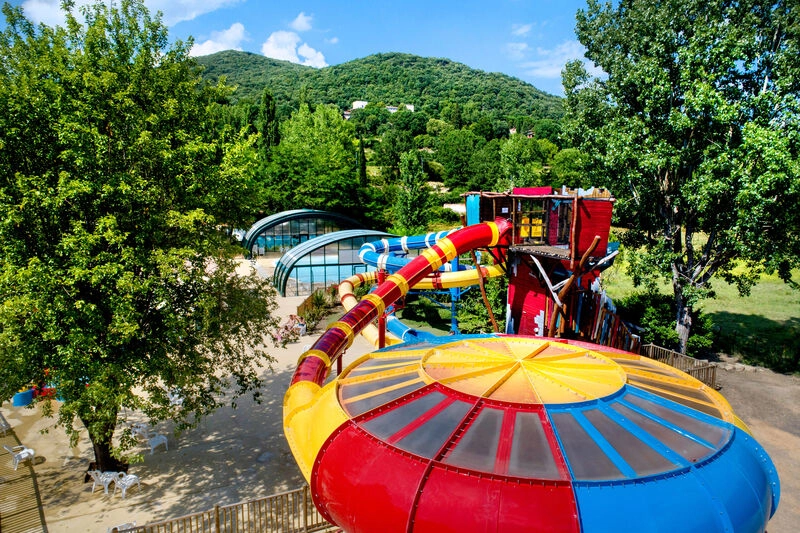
{"points": [[683, 319], [104, 461], [101, 444]]}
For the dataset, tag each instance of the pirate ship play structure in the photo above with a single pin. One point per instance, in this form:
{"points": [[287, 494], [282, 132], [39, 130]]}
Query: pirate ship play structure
{"points": [[559, 246]]}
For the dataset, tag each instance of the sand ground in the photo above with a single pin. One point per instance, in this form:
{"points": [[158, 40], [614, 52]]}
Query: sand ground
{"points": [[234, 455], [241, 454]]}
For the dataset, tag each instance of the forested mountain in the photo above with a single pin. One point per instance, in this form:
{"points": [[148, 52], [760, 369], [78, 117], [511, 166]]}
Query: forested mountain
{"points": [[392, 78]]}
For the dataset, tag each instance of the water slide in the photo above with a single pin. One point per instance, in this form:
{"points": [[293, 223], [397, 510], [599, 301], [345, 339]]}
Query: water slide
{"points": [[515, 433], [391, 255], [306, 436]]}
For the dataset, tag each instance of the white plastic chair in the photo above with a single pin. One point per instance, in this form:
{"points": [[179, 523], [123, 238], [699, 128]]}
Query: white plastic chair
{"points": [[5, 427], [123, 481], [157, 441], [141, 430], [102, 478], [20, 454]]}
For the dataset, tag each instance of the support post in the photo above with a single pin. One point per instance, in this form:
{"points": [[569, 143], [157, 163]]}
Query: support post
{"points": [[573, 233], [382, 317], [305, 507], [483, 291], [575, 274]]}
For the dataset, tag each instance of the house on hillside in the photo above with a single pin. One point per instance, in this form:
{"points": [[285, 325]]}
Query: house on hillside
{"points": [[361, 104]]}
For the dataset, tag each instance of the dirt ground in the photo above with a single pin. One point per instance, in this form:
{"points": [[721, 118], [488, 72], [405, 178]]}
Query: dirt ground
{"points": [[769, 403]]}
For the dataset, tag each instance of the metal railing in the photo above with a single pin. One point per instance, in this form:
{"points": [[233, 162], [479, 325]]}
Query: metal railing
{"points": [[286, 512], [697, 368]]}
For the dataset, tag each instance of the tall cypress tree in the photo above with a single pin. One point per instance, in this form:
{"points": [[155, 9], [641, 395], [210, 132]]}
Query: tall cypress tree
{"points": [[267, 124], [411, 213], [362, 163]]}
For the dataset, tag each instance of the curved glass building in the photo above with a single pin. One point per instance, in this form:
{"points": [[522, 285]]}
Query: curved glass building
{"points": [[285, 230], [322, 261]]}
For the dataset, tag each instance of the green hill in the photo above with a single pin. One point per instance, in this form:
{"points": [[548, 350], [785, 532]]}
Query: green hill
{"points": [[392, 78]]}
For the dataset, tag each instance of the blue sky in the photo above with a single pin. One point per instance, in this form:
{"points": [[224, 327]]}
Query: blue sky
{"points": [[527, 39]]}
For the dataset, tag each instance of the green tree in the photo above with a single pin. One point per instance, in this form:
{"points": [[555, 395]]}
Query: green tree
{"points": [[367, 120], [437, 128], [362, 164], [523, 161], [485, 167], [653, 312], [410, 208], [454, 150], [549, 129], [314, 166], [695, 127], [116, 285], [451, 112], [570, 168], [394, 142], [267, 125], [414, 122], [472, 314]]}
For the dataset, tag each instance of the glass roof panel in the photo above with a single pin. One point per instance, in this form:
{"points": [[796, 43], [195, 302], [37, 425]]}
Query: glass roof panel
{"points": [[531, 455], [477, 449], [586, 459]]}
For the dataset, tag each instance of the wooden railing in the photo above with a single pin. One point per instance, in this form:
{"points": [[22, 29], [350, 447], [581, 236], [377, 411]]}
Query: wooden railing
{"points": [[610, 330], [287, 512], [697, 368]]}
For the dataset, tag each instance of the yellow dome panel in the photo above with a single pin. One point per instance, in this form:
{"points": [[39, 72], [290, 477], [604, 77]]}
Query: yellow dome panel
{"points": [[523, 370]]}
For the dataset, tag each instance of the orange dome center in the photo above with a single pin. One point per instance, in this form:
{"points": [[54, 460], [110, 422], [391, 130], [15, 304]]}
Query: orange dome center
{"points": [[523, 370]]}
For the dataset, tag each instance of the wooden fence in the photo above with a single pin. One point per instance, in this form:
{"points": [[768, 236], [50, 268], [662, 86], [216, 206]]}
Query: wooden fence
{"points": [[697, 368], [287, 512]]}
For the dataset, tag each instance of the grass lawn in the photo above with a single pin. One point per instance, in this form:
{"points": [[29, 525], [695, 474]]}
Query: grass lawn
{"points": [[422, 314], [763, 328]]}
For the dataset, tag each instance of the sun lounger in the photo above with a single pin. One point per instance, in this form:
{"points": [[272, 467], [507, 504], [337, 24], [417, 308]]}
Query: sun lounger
{"points": [[127, 526], [5, 427]]}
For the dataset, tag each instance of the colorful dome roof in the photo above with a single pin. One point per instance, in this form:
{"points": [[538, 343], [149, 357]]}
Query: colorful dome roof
{"points": [[504, 433]]}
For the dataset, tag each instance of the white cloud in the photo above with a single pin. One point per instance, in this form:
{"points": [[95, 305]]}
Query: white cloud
{"points": [[313, 58], [49, 11], [284, 45], [516, 51], [230, 39], [521, 29], [552, 61], [175, 12], [332, 40], [301, 23]]}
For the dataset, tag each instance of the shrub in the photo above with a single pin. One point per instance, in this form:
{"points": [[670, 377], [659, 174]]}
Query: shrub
{"points": [[655, 314], [473, 317]]}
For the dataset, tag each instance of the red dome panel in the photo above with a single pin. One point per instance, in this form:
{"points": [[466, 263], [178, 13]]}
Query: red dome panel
{"points": [[363, 485], [453, 501]]}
